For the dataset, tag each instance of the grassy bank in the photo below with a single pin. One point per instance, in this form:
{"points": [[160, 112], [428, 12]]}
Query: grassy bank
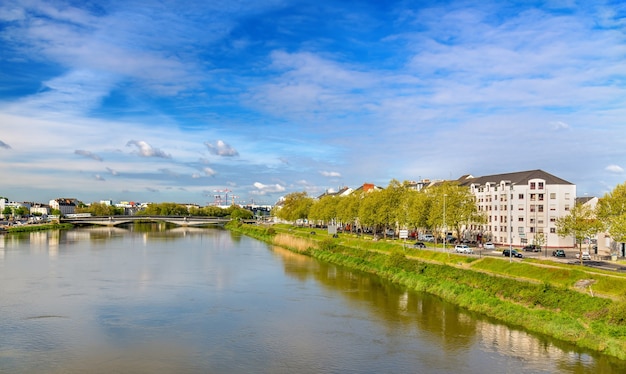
{"points": [[45, 226], [570, 303]]}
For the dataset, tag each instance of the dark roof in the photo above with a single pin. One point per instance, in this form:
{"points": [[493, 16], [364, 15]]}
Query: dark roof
{"points": [[520, 178]]}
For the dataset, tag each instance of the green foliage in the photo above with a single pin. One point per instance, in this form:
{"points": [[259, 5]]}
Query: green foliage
{"points": [[270, 231], [396, 259], [295, 206], [328, 244], [100, 209], [612, 211], [617, 313]]}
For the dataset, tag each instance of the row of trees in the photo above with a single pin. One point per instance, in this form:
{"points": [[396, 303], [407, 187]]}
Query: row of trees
{"points": [[446, 205], [169, 209], [609, 215]]}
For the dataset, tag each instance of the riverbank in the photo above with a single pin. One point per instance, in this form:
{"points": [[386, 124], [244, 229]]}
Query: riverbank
{"points": [[39, 227], [582, 306]]}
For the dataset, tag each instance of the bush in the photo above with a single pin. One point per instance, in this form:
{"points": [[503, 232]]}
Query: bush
{"points": [[270, 231], [396, 259]]}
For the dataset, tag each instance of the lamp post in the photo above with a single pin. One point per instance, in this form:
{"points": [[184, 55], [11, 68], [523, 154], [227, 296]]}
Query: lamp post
{"points": [[510, 228], [445, 228]]}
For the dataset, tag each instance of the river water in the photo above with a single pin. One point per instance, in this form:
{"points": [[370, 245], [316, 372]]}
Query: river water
{"points": [[148, 299]]}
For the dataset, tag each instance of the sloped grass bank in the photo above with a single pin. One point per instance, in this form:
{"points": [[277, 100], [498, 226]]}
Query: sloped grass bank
{"points": [[46, 226], [494, 287]]}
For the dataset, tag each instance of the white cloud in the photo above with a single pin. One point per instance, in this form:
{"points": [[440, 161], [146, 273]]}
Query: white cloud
{"points": [[99, 177], [264, 189], [146, 150], [221, 148], [209, 172], [558, 125], [614, 169], [331, 174], [4, 145], [88, 154]]}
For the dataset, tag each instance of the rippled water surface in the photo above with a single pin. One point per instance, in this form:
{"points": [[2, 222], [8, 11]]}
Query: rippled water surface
{"points": [[143, 299]]}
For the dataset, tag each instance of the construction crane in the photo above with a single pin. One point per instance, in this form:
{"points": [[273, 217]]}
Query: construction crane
{"points": [[218, 198]]}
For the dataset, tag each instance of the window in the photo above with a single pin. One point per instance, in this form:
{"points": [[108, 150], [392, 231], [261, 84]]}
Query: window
{"points": [[520, 219], [532, 208], [541, 185], [540, 230], [540, 208], [567, 208], [532, 229], [552, 219], [552, 207], [552, 196], [532, 197], [532, 185], [520, 230], [520, 207], [520, 196], [552, 230], [540, 197], [567, 196], [532, 221]]}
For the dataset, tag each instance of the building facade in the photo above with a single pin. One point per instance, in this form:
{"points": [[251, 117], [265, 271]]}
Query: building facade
{"points": [[521, 208]]}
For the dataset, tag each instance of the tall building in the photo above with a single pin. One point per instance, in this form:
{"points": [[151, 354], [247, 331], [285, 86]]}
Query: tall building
{"points": [[522, 207]]}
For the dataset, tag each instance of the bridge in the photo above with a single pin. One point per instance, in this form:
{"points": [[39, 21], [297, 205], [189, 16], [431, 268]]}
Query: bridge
{"points": [[119, 220]]}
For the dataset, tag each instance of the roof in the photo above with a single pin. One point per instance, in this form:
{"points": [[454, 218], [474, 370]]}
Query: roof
{"points": [[520, 178]]}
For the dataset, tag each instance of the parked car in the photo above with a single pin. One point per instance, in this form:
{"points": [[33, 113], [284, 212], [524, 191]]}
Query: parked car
{"points": [[512, 253], [490, 245], [532, 248], [462, 248], [585, 255], [558, 253], [428, 238], [419, 245]]}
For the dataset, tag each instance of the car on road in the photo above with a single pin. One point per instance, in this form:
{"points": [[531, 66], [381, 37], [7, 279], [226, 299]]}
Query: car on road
{"points": [[463, 248], [419, 245], [490, 245], [558, 253], [532, 248], [513, 253], [585, 256]]}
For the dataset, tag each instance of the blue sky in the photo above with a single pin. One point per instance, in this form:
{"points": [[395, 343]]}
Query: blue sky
{"points": [[172, 101]]}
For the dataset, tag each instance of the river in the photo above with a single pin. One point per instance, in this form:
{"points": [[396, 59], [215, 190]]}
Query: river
{"points": [[154, 299]]}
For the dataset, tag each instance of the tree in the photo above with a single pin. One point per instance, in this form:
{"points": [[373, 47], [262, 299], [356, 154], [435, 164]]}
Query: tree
{"points": [[237, 212], [612, 212], [348, 209], [370, 210], [581, 223], [324, 210], [7, 212], [295, 206], [460, 207]]}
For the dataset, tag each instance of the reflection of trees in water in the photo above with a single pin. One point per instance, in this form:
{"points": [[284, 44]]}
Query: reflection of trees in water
{"points": [[454, 328], [393, 303]]}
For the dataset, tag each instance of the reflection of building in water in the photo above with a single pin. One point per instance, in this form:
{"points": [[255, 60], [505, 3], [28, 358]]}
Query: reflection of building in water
{"points": [[505, 339]]}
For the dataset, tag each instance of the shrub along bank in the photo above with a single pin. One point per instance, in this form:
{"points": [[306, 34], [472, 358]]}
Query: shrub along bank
{"points": [[540, 298]]}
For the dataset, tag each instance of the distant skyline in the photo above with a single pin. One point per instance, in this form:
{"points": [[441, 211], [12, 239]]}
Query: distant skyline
{"points": [[176, 101]]}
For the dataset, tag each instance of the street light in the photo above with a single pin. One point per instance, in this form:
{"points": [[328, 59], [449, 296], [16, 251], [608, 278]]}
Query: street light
{"points": [[445, 228], [510, 225]]}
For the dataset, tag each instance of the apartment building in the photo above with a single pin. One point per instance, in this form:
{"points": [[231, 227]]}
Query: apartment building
{"points": [[522, 207]]}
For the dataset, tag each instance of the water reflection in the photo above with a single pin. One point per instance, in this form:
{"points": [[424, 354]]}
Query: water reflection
{"points": [[453, 329], [193, 300]]}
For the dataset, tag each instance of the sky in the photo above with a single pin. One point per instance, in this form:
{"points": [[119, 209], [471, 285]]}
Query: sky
{"points": [[185, 101]]}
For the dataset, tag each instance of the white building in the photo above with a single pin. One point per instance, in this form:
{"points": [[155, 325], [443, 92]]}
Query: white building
{"points": [[522, 207], [65, 205]]}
